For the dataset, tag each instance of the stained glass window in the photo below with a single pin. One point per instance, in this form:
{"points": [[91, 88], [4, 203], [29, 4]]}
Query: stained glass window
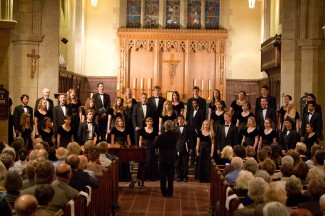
{"points": [[212, 14], [194, 14], [173, 14], [151, 18], [133, 14]]}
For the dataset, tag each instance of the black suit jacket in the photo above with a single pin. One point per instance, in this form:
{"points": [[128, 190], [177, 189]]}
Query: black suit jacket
{"points": [[270, 113], [138, 117], [289, 141], [58, 116], [316, 121], [18, 111], [183, 139], [271, 103], [50, 104], [202, 104], [100, 107], [195, 122], [166, 143], [231, 138], [83, 131], [318, 109], [156, 110], [80, 179]]}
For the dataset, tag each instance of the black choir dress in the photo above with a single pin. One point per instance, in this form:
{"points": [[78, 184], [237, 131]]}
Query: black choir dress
{"points": [[203, 165], [75, 119], [309, 143], [165, 118], [128, 109], [47, 136], [267, 139], [250, 137], [26, 134], [213, 106], [151, 164], [40, 118], [65, 136], [237, 111], [282, 112], [178, 108], [242, 124], [120, 137], [218, 120], [114, 116]]}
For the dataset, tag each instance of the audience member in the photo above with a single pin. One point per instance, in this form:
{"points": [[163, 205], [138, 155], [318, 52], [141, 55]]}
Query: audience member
{"points": [[13, 183], [293, 188], [241, 184], [63, 174], [237, 163], [25, 205], [251, 165], [44, 195], [21, 164], [73, 148], [30, 171], [275, 209], [61, 155], [103, 147]]}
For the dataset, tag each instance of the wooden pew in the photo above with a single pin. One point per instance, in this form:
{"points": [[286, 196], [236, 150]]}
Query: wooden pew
{"points": [[76, 206], [115, 181], [213, 186], [232, 202], [223, 184]]}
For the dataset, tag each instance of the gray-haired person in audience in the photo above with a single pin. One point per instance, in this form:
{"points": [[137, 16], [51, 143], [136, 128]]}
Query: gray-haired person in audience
{"points": [[251, 165], [237, 163], [83, 164], [276, 209], [103, 147], [241, 184], [313, 150], [293, 187], [30, 171], [284, 160], [61, 154], [256, 189], [62, 177]]}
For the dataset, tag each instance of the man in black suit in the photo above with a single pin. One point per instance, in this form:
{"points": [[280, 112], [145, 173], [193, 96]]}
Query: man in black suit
{"points": [[46, 96], [102, 105], [313, 117], [183, 149], [88, 129], [195, 118], [166, 143], [201, 101], [289, 136], [59, 111], [141, 111], [265, 112], [80, 179], [265, 94], [227, 135], [157, 103], [318, 108], [19, 110]]}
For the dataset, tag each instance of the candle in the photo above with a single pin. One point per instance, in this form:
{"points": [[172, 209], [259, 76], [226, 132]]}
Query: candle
{"points": [[134, 83], [202, 82], [209, 85], [91, 95], [118, 87], [194, 82], [141, 83], [149, 83]]}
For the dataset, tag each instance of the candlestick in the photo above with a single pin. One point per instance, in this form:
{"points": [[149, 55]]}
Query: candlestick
{"points": [[141, 83], [209, 85], [134, 83], [202, 84], [149, 83], [194, 82], [118, 87]]}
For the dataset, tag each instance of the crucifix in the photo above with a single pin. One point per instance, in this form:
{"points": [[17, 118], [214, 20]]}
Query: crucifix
{"points": [[171, 63], [34, 58]]}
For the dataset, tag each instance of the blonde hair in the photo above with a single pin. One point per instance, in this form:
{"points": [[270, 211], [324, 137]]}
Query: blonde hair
{"points": [[22, 120], [127, 103], [165, 111], [40, 103], [243, 178], [211, 131], [116, 108], [291, 112], [116, 121], [227, 152], [253, 120], [275, 191], [301, 147]]}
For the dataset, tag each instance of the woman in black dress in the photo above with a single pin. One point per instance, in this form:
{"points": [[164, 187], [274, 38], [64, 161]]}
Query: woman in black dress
{"points": [[40, 114], [294, 115], [47, 133], [121, 136], [25, 131], [212, 105], [65, 133], [147, 138], [310, 138], [204, 151], [128, 104], [167, 114], [217, 118], [242, 120], [177, 104], [115, 112], [283, 111], [250, 135], [89, 105], [236, 106], [74, 104], [268, 135]]}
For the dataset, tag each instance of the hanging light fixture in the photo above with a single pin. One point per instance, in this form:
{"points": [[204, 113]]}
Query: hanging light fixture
{"points": [[251, 3], [94, 3]]}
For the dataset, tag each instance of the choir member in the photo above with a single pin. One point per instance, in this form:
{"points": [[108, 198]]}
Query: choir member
{"points": [[74, 104], [294, 115], [212, 105], [242, 119], [263, 113], [65, 134], [46, 96], [25, 130], [201, 102], [59, 111], [40, 113], [313, 117], [250, 135], [283, 111], [267, 135], [157, 103], [166, 114], [88, 130], [47, 133], [177, 104], [20, 109], [236, 106], [265, 94], [128, 105]]}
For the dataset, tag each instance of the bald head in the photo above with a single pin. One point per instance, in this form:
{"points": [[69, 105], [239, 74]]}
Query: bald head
{"points": [[237, 162], [73, 161], [63, 172], [61, 153], [25, 205], [42, 153], [36, 141], [83, 162], [38, 146]]}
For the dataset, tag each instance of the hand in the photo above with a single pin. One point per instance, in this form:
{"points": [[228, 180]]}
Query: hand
{"points": [[108, 131], [197, 154], [211, 155], [137, 128]]}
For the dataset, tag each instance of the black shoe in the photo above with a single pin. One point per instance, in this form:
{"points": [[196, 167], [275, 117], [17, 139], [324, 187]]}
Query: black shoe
{"points": [[185, 180]]}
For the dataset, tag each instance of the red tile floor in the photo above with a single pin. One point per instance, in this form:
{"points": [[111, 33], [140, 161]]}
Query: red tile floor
{"points": [[190, 198]]}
